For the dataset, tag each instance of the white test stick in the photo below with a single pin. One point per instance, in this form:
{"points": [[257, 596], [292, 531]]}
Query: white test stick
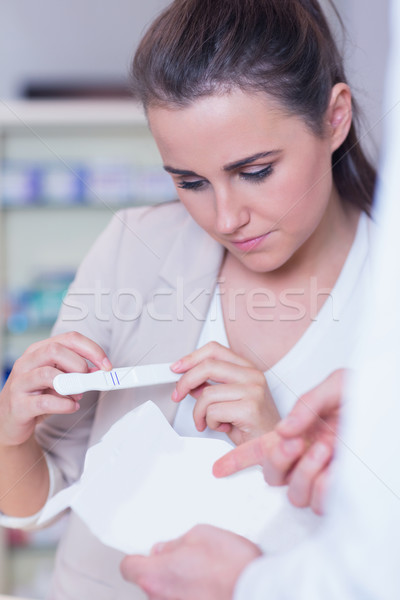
{"points": [[67, 384]]}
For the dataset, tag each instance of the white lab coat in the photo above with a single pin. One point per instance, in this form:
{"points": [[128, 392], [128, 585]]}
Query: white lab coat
{"points": [[355, 556]]}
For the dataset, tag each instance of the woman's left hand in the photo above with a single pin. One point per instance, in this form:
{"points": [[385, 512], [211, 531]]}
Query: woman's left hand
{"points": [[237, 402]]}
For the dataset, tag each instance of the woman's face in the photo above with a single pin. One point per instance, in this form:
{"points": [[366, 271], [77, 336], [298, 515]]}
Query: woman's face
{"points": [[252, 176]]}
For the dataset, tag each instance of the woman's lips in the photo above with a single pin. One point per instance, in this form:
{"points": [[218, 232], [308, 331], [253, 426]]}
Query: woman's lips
{"points": [[249, 244]]}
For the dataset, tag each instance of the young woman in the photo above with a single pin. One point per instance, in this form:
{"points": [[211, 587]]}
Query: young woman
{"points": [[251, 283]]}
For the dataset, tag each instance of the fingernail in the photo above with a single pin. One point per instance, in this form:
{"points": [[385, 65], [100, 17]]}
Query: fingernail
{"points": [[288, 423], [106, 364], [291, 447], [157, 548], [175, 395], [176, 365], [320, 452]]}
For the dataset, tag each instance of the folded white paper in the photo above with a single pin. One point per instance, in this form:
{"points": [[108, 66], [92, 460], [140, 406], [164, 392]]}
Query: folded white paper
{"points": [[143, 483]]}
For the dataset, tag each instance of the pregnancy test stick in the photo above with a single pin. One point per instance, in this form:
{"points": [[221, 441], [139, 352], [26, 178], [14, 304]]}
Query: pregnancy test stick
{"points": [[67, 384]]}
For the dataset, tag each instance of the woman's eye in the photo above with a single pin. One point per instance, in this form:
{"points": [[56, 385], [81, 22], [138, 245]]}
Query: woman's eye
{"points": [[190, 185], [257, 175]]}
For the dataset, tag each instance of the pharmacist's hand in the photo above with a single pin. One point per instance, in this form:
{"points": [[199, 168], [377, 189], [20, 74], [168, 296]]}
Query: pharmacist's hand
{"points": [[237, 402], [203, 564], [298, 453], [28, 394]]}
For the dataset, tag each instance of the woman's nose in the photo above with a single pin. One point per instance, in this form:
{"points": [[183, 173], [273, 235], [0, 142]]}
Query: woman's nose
{"points": [[231, 212]]}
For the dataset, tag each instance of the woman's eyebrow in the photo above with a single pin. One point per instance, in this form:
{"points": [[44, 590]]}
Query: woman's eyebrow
{"points": [[249, 159], [229, 167], [180, 171]]}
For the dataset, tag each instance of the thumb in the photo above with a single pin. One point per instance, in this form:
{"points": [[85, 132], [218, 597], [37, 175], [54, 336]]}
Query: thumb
{"points": [[133, 567]]}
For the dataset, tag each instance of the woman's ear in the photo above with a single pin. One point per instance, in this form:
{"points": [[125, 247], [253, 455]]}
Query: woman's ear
{"points": [[339, 115]]}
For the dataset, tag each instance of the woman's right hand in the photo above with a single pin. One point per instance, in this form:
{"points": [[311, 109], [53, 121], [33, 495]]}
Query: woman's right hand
{"points": [[28, 395]]}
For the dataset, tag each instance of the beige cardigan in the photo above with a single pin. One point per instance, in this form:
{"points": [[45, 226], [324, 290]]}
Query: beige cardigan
{"points": [[142, 293]]}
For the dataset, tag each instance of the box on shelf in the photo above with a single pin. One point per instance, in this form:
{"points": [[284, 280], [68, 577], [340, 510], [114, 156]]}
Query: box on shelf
{"points": [[54, 183]]}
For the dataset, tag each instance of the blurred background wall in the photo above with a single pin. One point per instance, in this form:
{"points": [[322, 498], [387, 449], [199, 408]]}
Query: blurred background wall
{"points": [[366, 48], [92, 42], [71, 40]]}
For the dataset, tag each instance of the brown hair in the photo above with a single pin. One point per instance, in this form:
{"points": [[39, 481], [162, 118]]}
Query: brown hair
{"points": [[283, 48]]}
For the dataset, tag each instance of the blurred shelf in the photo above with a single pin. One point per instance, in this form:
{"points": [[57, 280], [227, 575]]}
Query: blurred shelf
{"points": [[111, 207], [29, 333], [2, 597], [60, 113], [40, 238], [29, 571]]}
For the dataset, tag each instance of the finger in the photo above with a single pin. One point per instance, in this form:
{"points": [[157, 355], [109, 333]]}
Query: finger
{"points": [[134, 568], [148, 572], [319, 491], [63, 358], [239, 414], [41, 418], [163, 547], [206, 410], [157, 548], [55, 405], [197, 392], [306, 472], [314, 405], [37, 380], [280, 460], [80, 344], [47, 404], [224, 428], [244, 456], [55, 355], [216, 371], [223, 413], [212, 350]]}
